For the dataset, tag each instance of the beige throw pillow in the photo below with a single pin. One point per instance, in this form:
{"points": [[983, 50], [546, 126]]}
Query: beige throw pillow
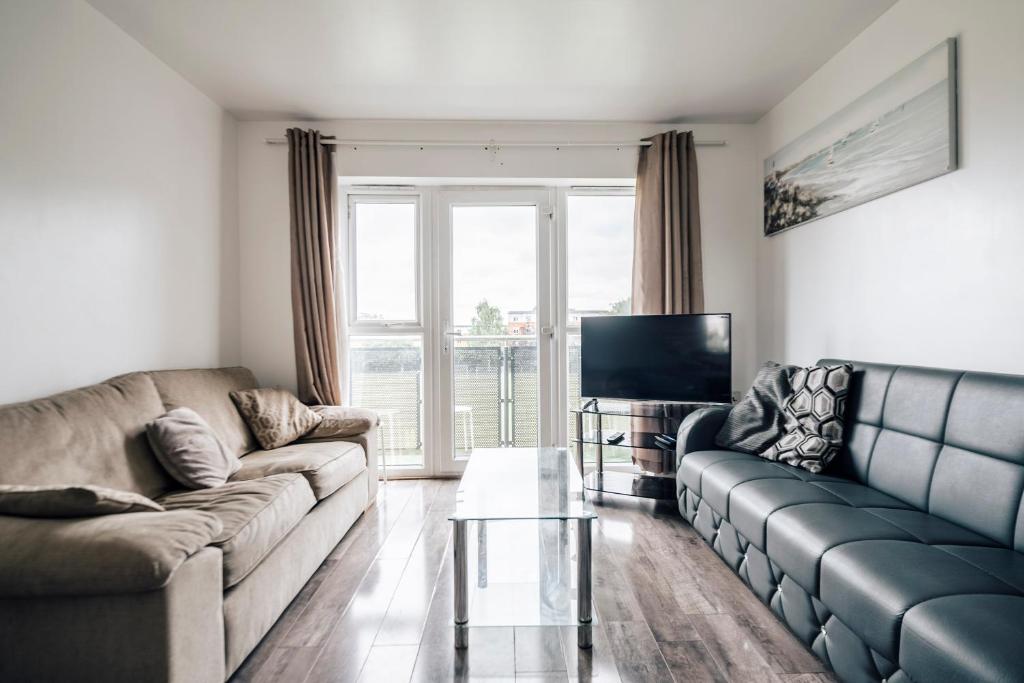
{"points": [[339, 422], [70, 501], [189, 449], [275, 416]]}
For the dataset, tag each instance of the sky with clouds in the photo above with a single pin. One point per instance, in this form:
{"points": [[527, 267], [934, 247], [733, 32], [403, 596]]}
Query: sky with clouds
{"points": [[494, 257]]}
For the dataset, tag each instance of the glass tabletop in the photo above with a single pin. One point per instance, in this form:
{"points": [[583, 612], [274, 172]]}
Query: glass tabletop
{"points": [[521, 483]]}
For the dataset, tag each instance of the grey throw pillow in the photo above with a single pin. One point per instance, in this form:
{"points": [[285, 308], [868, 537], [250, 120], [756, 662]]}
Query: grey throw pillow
{"points": [[189, 449], [814, 418], [756, 422], [70, 501]]}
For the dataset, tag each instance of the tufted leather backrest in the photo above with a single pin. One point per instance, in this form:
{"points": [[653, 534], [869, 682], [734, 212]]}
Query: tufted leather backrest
{"points": [[946, 441]]}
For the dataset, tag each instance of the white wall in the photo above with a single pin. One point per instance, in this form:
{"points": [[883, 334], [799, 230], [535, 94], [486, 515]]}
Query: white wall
{"points": [[118, 207], [932, 274], [728, 180]]}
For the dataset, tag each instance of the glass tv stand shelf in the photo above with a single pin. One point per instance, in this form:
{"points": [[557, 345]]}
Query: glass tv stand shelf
{"points": [[637, 465]]}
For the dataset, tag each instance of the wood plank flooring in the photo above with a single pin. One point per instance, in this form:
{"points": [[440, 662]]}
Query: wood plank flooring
{"points": [[380, 609]]}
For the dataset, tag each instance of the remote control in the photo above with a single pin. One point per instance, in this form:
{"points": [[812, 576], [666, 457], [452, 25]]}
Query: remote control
{"points": [[665, 441], [615, 437]]}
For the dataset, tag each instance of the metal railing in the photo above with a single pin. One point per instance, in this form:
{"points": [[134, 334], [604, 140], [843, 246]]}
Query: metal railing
{"points": [[495, 387]]}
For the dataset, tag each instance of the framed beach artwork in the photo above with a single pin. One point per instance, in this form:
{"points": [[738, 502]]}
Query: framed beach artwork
{"points": [[900, 133]]}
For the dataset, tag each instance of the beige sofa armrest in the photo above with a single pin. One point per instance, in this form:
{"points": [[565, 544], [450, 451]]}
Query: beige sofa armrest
{"points": [[357, 425], [340, 422], [111, 554]]}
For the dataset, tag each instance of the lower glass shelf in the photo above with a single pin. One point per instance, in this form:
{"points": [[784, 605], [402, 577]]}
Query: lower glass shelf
{"points": [[629, 484], [522, 573]]}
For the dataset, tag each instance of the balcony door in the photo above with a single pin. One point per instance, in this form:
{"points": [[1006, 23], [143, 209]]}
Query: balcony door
{"points": [[496, 341]]}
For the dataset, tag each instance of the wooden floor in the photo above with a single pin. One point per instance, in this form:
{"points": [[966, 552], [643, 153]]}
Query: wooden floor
{"points": [[380, 609]]}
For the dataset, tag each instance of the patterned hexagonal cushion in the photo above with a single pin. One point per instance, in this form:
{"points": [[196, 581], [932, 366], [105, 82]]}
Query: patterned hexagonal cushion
{"points": [[814, 418]]}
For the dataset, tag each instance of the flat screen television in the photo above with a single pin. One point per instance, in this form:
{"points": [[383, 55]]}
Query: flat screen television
{"points": [[686, 358]]}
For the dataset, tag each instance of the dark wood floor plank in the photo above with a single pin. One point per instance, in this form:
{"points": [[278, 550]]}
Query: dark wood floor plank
{"points": [[404, 621], [735, 650], [347, 646], [690, 661], [330, 603], [392, 663], [637, 655]]}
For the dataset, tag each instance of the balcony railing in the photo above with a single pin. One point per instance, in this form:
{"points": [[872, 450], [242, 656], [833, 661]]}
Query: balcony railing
{"points": [[495, 387]]}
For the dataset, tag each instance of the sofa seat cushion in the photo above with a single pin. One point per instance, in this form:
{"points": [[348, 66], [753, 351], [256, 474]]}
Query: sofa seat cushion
{"points": [[753, 502], [326, 465], [692, 465], [870, 585], [256, 515], [104, 555], [929, 528], [964, 638], [799, 536], [1004, 564], [719, 480], [861, 496]]}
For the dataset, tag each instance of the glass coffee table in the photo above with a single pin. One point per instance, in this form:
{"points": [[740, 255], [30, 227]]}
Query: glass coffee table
{"points": [[522, 560]]}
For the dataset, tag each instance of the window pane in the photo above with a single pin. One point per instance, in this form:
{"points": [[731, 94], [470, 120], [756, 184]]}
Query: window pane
{"points": [[387, 376], [494, 297], [600, 259], [600, 270], [494, 269], [385, 261]]}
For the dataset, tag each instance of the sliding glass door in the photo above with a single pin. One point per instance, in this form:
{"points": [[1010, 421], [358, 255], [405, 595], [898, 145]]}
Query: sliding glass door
{"points": [[496, 330], [464, 310]]}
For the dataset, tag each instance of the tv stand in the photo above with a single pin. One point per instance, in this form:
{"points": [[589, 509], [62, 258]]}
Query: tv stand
{"points": [[641, 421]]}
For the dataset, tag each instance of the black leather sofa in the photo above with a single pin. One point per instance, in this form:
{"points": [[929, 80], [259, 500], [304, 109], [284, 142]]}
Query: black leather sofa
{"points": [[904, 561]]}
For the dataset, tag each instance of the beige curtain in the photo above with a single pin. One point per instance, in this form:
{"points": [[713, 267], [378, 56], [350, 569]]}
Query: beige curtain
{"points": [[667, 272], [314, 234]]}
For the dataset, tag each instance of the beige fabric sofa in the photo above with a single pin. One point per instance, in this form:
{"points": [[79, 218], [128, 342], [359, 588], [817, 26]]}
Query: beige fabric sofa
{"points": [[180, 595]]}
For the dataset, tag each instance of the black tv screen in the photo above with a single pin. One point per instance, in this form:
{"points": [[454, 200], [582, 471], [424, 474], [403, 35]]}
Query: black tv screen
{"points": [[657, 357]]}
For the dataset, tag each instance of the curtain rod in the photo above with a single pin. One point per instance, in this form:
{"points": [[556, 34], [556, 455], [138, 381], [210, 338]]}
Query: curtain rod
{"points": [[486, 145]]}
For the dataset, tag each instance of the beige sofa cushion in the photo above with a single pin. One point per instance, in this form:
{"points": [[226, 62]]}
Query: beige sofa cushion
{"points": [[99, 555], [207, 393], [275, 416], [70, 501], [326, 465], [189, 449], [341, 421], [94, 435], [255, 516]]}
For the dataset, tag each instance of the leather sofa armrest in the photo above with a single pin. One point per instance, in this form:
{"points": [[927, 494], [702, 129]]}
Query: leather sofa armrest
{"points": [[109, 554], [698, 429]]}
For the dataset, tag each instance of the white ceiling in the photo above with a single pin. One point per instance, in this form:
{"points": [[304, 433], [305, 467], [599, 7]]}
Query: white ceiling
{"points": [[606, 60]]}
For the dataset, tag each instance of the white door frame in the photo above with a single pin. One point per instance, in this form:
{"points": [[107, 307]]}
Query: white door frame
{"points": [[434, 259], [445, 461]]}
